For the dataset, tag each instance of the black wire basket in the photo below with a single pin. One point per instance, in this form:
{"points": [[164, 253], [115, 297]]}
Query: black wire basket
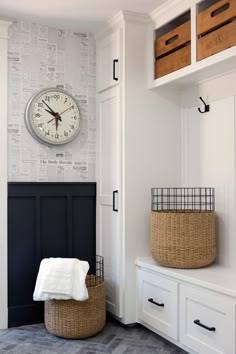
{"points": [[183, 199]]}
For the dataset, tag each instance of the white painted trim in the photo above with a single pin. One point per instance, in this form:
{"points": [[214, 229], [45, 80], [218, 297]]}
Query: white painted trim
{"points": [[4, 25], [120, 18], [184, 147], [168, 11], [137, 17], [193, 17]]}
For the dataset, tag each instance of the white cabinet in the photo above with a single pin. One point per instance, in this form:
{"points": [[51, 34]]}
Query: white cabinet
{"points": [[199, 70], [207, 321], [109, 191], [157, 302], [198, 314], [108, 61], [130, 136]]}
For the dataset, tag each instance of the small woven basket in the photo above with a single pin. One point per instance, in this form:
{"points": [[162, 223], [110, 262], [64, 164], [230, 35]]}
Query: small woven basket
{"points": [[183, 239], [77, 319]]}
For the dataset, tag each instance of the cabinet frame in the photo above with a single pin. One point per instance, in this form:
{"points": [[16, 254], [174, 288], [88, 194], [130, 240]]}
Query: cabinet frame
{"points": [[217, 297], [210, 67]]}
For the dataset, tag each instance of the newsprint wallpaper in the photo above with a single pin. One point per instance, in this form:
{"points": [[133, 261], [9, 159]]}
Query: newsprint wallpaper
{"points": [[41, 57]]}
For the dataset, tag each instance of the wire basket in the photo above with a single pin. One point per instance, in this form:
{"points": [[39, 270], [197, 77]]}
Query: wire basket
{"points": [[79, 319], [183, 227], [183, 199]]}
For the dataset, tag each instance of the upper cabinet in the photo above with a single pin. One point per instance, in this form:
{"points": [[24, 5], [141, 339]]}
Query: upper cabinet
{"points": [[108, 61], [193, 40]]}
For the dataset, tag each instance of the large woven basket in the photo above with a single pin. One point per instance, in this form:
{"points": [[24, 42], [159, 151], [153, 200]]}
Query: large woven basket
{"points": [[77, 319], [183, 239]]}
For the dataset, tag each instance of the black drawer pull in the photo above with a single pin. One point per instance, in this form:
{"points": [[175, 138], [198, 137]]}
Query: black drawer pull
{"points": [[114, 69], [155, 303], [197, 322], [114, 201]]}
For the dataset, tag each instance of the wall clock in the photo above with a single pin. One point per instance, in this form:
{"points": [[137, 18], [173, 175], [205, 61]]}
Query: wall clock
{"points": [[52, 116]]}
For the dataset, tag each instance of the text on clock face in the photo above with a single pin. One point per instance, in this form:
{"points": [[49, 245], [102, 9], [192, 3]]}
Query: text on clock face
{"points": [[55, 116]]}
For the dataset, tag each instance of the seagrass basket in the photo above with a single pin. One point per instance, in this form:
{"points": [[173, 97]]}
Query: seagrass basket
{"points": [[183, 237], [78, 319]]}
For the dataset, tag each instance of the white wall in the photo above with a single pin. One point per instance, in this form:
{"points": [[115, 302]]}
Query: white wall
{"points": [[208, 154], [41, 57]]}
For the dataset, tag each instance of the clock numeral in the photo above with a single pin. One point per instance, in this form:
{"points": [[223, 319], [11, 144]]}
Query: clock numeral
{"points": [[57, 136], [65, 133], [40, 104], [57, 97], [37, 115], [47, 98], [40, 125], [66, 99], [47, 133], [74, 117], [72, 126]]}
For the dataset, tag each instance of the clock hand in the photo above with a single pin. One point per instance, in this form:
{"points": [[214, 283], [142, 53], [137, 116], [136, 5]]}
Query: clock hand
{"points": [[51, 120], [65, 110], [57, 117], [53, 114], [51, 111], [49, 107]]}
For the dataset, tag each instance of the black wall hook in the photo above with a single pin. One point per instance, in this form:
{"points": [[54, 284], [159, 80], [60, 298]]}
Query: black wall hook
{"points": [[206, 106]]}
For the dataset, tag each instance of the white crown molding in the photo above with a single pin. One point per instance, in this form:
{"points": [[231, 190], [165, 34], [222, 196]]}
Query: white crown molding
{"points": [[131, 16], [122, 17], [4, 25], [169, 10]]}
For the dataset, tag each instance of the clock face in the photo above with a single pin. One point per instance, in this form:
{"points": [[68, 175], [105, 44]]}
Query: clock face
{"points": [[52, 116]]}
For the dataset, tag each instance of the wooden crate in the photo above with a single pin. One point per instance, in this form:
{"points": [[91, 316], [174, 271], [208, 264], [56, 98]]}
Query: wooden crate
{"points": [[173, 50], [216, 28]]}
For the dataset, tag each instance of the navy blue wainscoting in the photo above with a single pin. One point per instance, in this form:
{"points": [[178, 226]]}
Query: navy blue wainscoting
{"points": [[45, 220]]}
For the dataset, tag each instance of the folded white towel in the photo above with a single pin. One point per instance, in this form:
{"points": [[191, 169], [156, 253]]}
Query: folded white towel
{"points": [[61, 278]]}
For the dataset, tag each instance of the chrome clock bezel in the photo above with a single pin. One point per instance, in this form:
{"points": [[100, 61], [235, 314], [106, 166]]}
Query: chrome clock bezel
{"points": [[29, 115]]}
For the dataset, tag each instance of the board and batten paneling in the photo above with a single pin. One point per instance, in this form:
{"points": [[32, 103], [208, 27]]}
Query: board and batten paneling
{"points": [[209, 160], [45, 220]]}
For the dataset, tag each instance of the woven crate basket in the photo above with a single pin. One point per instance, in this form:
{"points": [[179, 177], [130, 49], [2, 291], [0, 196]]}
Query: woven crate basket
{"points": [[183, 239], [77, 319]]}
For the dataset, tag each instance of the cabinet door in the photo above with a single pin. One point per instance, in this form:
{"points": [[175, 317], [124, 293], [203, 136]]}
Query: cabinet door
{"points": [[108, 61], [109, 240], [207, 321], [157, 302]]}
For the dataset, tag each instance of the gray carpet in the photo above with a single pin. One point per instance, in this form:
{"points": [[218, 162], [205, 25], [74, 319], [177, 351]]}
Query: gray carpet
{"points": [[114, 339]]}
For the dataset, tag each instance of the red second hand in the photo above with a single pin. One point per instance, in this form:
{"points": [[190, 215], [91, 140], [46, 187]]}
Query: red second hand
{"points": [[56, 117], [64, 111], [51, 120]]}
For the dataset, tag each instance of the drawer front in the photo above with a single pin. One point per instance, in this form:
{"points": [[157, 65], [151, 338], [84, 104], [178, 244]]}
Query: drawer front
{"points": [[207, 321], [157, 302]]}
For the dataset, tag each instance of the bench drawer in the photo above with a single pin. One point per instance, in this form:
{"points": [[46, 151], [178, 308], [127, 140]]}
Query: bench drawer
{"points": [[157, 302], [207, 321]]}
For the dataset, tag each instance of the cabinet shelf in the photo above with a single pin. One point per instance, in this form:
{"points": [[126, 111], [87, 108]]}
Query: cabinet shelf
{"points": [[212, 38], [211, 67]]}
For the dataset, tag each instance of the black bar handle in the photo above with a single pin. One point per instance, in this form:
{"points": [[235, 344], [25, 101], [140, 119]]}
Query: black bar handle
{"points": [[114, 69], [156, 303], [197, 322], [114, 200]]}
